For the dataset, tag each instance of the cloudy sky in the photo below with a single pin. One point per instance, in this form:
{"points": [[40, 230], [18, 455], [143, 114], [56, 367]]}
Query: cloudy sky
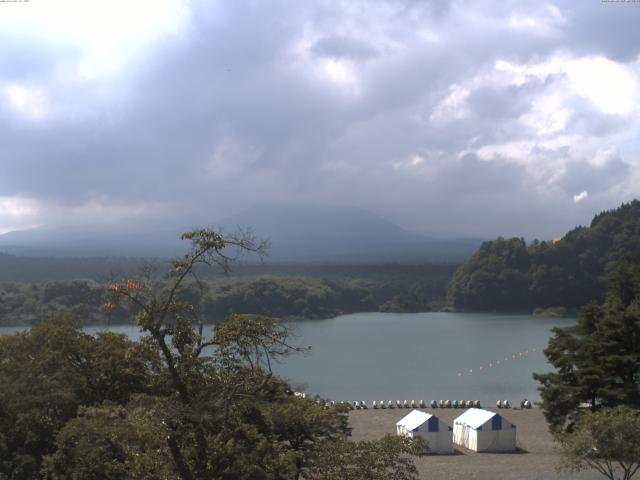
{"points": [[476, 118]]}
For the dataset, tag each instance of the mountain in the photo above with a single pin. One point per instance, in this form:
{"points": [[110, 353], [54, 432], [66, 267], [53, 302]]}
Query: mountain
{"points": [[103, 240], [344, 234], [508, 274], [296, 233]]}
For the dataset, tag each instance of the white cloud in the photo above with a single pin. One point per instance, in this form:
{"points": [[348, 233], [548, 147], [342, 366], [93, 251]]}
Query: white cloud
{"points": [[17, 206], [544, 21], [412, 162], [548, 115], [27, 101], [17, 212], [231, 158], [611, 86], [20, 213], [603, 155], [335, 100], [580, 197], [341, 73], [416, 160], [453, 106], [109, 34], [573, 110]]}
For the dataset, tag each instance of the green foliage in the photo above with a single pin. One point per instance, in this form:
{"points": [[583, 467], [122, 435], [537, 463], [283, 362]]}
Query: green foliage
{"points": [[110, 442], [289, 297], [606, 441], [597, 361], [509, 275], [25, 304], [386, 288], [47, 373], [177, 403], [216, 411], [384, 459]]}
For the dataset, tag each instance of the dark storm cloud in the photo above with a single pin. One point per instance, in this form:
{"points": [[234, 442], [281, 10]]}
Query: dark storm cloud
{"points": [[330, 102]]}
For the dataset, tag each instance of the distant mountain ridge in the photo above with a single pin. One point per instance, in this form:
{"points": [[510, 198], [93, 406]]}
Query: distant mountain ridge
{"points": [[344, 234], [297, 234], [92, 241], [508, 274]]}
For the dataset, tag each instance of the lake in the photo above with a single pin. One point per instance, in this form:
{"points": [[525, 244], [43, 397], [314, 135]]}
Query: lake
{"points": [[435, 355]]}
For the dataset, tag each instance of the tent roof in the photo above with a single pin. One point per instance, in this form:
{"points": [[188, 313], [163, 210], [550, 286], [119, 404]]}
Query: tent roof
{"points": [[414, 419], [474, 417]]}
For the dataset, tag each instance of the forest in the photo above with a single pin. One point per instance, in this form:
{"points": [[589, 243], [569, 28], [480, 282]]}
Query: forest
{"points": [[323, 292], [503, 275], [511, 275], [104, 407]]}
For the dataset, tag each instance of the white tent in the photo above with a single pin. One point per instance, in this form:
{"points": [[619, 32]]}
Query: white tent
{"points": [[437, 433], [484, 431]]}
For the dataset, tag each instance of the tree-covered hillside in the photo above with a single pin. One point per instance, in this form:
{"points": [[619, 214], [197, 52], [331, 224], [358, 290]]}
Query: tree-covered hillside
{"points": [[325, 292], [177, 403], [508, 274]]}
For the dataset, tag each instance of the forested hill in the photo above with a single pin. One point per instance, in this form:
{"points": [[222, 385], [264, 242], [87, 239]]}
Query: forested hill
{"points": [[315, 292], [508, 274]]}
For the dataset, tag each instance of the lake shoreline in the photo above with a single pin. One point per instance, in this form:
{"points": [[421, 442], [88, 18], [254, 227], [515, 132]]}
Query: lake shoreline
{"points": [[536, 458], [293, 319], [419, 356]]}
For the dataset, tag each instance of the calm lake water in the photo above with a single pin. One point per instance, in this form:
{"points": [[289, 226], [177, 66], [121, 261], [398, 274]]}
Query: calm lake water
{"points": [[385, 356]]}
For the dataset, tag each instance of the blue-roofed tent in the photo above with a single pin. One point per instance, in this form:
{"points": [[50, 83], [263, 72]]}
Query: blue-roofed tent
{"points": [[484, 431], [439, 435]]}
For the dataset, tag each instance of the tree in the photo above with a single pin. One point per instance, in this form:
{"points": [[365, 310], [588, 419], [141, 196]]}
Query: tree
{"points": [[494, 277], [111, 442], [178, 403], [226, 415], [597, 361], [387, 458], [569, 272], [202, 388], [47, 373], [606, 441], [307, 427]]}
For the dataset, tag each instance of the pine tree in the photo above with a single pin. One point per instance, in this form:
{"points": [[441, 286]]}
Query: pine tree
{"points": [[597, 361]]}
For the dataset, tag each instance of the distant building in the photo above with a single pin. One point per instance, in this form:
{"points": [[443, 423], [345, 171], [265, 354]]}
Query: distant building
{"points": [[439, 435], [484, 431]]}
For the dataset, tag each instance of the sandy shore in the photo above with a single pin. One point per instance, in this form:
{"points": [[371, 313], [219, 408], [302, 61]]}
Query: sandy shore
{"points": [[536, 457]]}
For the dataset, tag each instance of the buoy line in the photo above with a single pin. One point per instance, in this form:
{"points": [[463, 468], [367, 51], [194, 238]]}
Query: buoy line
{"points": [[499, 362]]}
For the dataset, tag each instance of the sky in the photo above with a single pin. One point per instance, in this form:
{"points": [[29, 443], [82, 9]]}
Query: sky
{"points": [[446, 117]]}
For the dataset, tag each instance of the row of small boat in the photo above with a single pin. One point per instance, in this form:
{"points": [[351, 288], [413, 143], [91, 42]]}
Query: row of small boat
{"points": [[455, 404], [362, 405]]}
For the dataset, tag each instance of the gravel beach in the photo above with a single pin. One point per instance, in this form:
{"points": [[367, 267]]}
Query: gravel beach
{"points": [[536, 458]]}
